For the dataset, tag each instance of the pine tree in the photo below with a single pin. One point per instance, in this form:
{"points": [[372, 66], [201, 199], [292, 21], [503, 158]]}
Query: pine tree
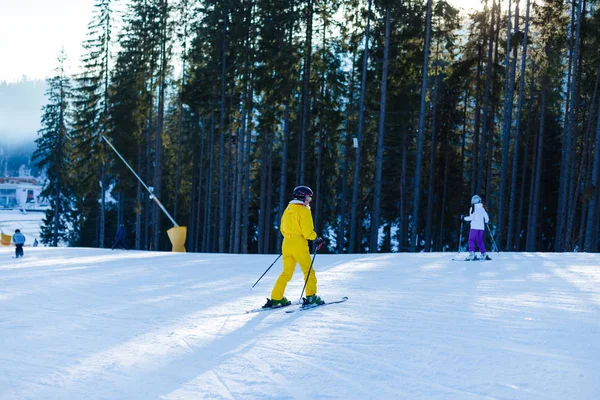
{"points": [[53, 155], [90, 124]]}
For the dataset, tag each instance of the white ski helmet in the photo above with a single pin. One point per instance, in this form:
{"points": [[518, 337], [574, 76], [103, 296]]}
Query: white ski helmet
{"points": [[475, 199]]}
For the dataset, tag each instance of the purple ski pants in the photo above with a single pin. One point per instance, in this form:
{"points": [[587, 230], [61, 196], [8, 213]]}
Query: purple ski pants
{"points": [[476, 235]]}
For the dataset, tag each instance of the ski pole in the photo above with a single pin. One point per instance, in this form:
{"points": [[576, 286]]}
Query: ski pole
{"points": [[278, 257], [492, 236], [460, 234], [308, 275]]}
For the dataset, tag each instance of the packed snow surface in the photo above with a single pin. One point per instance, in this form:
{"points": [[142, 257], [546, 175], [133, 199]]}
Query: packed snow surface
{"points": [[28, 223], [80, 323]]}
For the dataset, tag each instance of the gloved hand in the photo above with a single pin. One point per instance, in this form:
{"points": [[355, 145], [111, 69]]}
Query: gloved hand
{"points": [[318, 242]]}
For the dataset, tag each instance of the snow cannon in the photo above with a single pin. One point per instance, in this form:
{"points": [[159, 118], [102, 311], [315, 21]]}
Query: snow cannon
{"points": [[177, 235], [5, 239]]}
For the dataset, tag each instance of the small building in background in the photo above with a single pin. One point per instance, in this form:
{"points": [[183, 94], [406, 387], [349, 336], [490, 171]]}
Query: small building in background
{"points": [[21, 193]]}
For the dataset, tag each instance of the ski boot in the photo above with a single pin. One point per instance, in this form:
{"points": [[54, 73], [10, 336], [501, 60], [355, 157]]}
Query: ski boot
{"points": [[471, 256], [485, 257], [310, 300], [277, 303]]}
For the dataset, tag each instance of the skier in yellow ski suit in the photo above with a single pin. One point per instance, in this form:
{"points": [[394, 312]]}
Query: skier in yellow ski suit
{"points": [[297, 228]]}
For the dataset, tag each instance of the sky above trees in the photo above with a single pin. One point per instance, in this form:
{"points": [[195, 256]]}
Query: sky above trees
{"points": [[34, 31], [38, 29]]}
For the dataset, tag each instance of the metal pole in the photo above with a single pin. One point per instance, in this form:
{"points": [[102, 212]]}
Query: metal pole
{"points": [[279, 256], [308, 275], [460, 234], [152, 196], [492, 236]]}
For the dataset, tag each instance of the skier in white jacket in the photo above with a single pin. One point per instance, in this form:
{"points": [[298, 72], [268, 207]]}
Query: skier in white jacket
{"points": [[478, 218]]}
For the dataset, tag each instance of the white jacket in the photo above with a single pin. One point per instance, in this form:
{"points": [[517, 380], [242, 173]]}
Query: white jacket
{"points": [[478, 218]]}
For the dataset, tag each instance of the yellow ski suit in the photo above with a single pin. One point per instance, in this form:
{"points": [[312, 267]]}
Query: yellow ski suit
{"points": [[296, 227]]}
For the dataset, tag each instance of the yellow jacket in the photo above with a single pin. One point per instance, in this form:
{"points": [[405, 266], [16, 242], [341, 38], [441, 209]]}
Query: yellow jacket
{"points": [[297, 221]]}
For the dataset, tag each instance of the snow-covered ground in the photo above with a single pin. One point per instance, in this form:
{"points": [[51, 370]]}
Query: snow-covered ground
{"points": [[101, 324], [29, 223]]}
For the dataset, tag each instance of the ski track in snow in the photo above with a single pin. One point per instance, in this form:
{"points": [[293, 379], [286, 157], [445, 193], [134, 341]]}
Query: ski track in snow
{"points": [[101, 324]]}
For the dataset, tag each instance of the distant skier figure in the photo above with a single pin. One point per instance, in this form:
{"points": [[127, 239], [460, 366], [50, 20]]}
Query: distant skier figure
{"points": [[478, 218], [35, 242], [120, 242], [297, 228], [19, 240]]}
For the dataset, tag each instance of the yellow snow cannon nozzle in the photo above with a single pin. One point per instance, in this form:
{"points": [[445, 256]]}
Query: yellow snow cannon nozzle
{"points": [[5, 239], [177, 235]]}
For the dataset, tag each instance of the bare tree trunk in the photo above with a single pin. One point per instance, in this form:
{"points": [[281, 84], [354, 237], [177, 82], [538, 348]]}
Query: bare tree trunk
{"points": [[565, 168], [209, 180], [402, 231], [192, 227], [523, 179], [148, 209], [513, 189], [59, 207], [319, 143], [420, 139], [304, 121], [477, 122], [222, 200], [263, 193], [180, 122], [200, 192], [530, 244], [149, 202], [284, 167], [361, 112], [492, 126], [346, 165], [574, 184], [104, 118], [269, 194], [231, 179], [160, 122], [373, 247], [591, 231], [462, 162], [486, 100], [430, 189], [319, 177], [511, 69], [138, 202], [531, 186], [237, 219], [246, 203], [446, 151], [284, 155], [102, 198]]}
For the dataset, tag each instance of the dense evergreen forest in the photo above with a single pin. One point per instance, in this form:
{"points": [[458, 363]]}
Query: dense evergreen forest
{"points": [[395, 112]]}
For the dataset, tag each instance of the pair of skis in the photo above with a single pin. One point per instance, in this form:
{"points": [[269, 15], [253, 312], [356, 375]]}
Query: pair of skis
{"points": [[473, 259], [301, 307]]}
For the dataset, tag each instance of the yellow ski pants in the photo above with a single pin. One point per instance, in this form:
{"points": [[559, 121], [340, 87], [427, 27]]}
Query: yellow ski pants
{"points": [[295, 250]]}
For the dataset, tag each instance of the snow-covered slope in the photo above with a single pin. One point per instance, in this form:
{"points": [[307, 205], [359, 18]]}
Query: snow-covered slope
{"points": [[29, 223], [102, 324]]}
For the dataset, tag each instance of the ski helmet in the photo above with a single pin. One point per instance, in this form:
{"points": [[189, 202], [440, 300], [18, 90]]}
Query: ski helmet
{"points": [[475, 199], [302, 192]]}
